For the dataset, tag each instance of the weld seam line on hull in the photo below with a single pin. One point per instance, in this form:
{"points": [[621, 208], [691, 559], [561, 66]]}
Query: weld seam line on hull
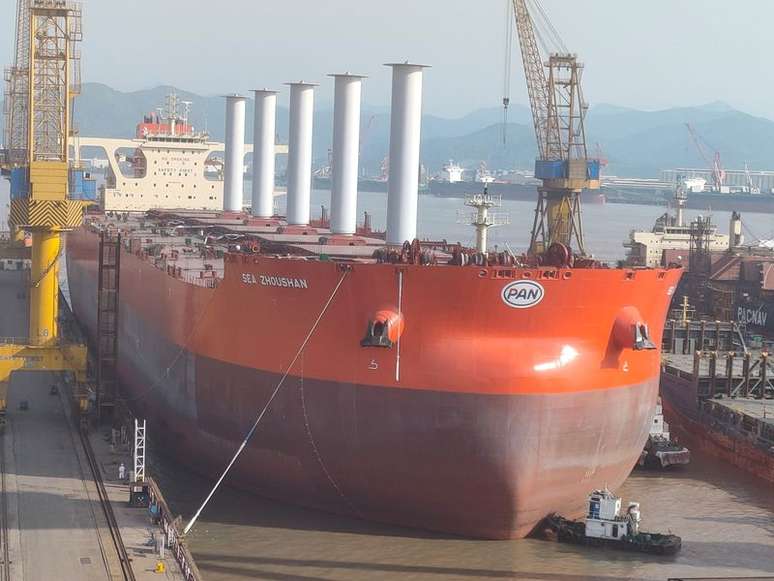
{"points": [[276, 391], [320, 461], [158, 382]]}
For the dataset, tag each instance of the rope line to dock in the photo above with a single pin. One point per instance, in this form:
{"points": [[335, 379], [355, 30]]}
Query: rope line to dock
{"points": [[274, 394]]}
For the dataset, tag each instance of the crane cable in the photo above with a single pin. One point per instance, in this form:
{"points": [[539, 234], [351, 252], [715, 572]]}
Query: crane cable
{"points": [[508, 61], [260, 416], [547, 34]]}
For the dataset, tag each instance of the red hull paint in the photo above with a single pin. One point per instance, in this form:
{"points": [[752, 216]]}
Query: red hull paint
{"points": [[467, 438]]}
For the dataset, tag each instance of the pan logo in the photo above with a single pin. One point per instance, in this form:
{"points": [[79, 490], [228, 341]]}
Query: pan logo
{"points": [[522, 294]]}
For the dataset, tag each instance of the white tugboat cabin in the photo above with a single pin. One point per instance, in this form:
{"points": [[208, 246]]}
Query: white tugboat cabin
{"points": [[604, 519]]}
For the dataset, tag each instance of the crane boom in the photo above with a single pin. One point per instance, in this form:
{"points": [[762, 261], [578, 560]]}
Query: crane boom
{"points": [[534, 71], [714, 163], [17, 91]]}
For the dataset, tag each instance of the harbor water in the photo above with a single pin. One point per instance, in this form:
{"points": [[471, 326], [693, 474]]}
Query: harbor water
{"points": [[606, 226], [726, 518]]}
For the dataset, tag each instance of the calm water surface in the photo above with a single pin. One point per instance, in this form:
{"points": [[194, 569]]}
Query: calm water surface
{"points": [[606, 226], [726, 519]]}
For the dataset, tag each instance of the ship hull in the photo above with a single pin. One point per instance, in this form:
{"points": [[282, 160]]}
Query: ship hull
{"points": [[760, 203], [435, 457], [485, 466], [681, 408]]}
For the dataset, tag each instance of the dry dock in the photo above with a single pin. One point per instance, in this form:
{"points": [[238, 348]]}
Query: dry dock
{"points": [[62, 513]]}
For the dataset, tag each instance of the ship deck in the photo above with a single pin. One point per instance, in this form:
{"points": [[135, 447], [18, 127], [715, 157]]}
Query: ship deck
{"points": [[736, 390], [760, 409], [191, 245]]}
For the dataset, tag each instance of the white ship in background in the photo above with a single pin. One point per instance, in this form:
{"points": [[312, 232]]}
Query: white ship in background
{"points": [[168, 164], [453, 173], [672, 233]]}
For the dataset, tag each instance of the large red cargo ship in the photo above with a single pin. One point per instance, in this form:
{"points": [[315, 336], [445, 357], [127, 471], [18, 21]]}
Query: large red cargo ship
{"points": [[468, 399], [422, 384]]}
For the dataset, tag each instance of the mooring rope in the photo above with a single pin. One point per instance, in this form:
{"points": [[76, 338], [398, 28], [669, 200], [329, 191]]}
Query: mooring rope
{"points": [[258, 419]]}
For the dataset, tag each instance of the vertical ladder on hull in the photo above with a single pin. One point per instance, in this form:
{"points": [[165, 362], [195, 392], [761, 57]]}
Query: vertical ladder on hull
{"points": [[107, 322]]}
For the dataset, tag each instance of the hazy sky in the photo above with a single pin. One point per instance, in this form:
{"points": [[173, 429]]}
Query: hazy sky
{"points": [[646, 54]]}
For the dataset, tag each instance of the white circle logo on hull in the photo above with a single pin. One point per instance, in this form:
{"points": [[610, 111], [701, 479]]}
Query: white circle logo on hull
{"points": [[522, 294]]}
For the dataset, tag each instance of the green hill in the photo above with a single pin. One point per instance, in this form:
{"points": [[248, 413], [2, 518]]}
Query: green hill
{"points": [[636, 143]]}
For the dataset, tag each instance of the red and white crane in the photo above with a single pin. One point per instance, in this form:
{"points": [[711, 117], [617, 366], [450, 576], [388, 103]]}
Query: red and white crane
{"points": [[711, 159]]}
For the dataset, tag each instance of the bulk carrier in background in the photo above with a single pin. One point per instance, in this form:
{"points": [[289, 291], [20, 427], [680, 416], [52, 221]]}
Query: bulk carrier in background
{"points": [[424, 384]]}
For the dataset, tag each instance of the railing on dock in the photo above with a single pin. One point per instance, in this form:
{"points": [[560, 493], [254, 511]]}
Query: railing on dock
{"points": [[159, 509], [173, 535]]}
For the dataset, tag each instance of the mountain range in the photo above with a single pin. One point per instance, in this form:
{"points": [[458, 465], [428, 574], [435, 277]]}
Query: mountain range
{"points": [[634, 143]]}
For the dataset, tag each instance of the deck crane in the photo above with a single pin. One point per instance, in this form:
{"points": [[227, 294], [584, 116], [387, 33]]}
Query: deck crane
{"points": [[42, 83], [558, 113]]}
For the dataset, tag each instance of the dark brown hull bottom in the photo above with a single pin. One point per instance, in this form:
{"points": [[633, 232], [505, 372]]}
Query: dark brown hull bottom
{"points": [[474, 465]]}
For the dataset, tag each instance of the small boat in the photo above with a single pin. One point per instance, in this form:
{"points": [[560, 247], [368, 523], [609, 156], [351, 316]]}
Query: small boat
{"points": [[660, 450], [604, 526]]}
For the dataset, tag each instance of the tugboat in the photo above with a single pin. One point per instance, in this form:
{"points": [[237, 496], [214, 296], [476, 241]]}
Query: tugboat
{"points": [[604, 526], [660, 451]]}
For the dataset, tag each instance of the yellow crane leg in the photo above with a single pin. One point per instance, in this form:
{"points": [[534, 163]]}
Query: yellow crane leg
{"points": [[559, 219], [44, 287]]}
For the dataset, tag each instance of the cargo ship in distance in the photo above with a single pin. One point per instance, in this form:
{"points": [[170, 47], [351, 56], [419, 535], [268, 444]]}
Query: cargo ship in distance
{"points": [[421, 384]]}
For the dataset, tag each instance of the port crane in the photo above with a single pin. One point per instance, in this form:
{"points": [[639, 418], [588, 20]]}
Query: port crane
{"points": [[713, 161], [40, 87], [558, 113], [748, 181]]}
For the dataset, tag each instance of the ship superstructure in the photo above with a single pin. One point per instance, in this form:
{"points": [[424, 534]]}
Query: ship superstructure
{"points": [[671, 232], [452, 173], [168, 164]]}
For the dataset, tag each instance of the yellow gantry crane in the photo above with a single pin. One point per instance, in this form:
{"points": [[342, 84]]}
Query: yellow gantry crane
{"points": [[40, 87], [558, 113]]}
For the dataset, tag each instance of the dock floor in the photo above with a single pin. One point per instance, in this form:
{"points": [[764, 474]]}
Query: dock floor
{"points": [[52, 519], [53, 527], [138, 533], [57, 521]]}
